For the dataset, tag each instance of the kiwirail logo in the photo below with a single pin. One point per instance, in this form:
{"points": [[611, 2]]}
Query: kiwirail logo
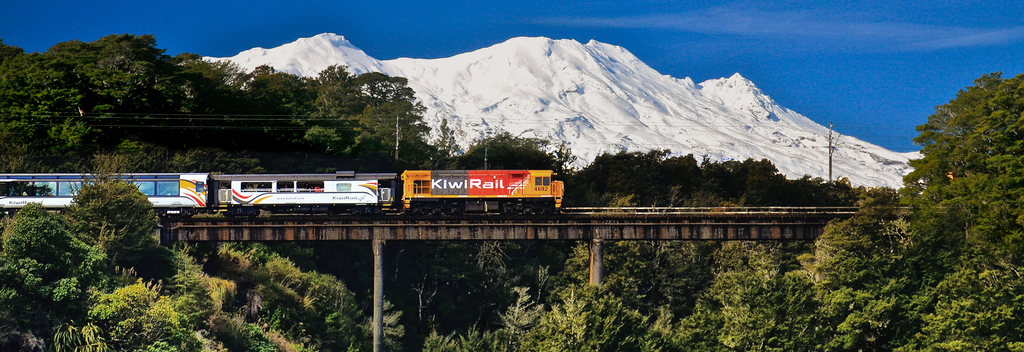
{"points": [[496, 183], [440, 183]]}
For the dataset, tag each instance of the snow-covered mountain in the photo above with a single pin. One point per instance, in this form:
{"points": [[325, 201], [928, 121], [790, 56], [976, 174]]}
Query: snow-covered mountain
{"points": [[598, 98]]}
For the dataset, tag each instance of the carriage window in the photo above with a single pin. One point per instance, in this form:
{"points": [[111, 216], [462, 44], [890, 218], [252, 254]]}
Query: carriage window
{"points": [[146, 187], [18, 189], [13, 189], [311, 186], [68, 189], [46, 189], [167, 188], [200, 186], [344, 187], [257, 186]]}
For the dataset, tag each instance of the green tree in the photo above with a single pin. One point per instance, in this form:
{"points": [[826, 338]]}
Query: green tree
{"points": [[629, 272], [7, 51], [505, 151], [192, 295], [446, 145], [590, 319], [973, 159], [977, 309], [139, 316], [756, 306], [872, 274], [646, 179], [517, 321], [45, 272], [765, 185], [300, 307], [116, 217]]}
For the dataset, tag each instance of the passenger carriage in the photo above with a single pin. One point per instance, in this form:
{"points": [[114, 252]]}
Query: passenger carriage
{"points": [[170, 193], [343, 192]]}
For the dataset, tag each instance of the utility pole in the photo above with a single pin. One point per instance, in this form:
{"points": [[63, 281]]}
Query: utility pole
{"points": [[378, 293], [832, 146], [596, 261], [487, 144], [396, 137]]}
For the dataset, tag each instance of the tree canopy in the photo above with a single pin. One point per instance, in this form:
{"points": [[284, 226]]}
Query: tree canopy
{"points": [[122, 92], [972, 164]]}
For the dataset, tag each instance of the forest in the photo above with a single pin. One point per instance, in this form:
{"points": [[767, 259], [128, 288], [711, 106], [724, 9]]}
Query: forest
{"points": [[933, 266]]}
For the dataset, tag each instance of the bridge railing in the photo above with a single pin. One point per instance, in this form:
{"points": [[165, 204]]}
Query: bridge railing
{"points": [[705, 210]]}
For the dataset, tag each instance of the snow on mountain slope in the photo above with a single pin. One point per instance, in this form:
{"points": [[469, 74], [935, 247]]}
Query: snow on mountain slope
{"points": [[308, 56], [598, 98]]}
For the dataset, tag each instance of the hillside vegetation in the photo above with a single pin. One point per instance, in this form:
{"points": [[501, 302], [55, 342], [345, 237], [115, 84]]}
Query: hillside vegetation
{"points": [[933, 266]]}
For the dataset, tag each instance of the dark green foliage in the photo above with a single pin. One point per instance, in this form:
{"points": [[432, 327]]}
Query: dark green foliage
{"points": [[447, 147], [138, 317], [973, 161], [454, 286], [754, 306], [123, 93], [7, 51], [45, 272], [115, 217], [507, 152], [645, 179], [976, 309], [657, 179], [589, 319], [293, 306]]}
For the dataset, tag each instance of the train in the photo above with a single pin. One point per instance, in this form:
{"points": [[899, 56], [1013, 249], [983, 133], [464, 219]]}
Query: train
{"points": [[419, 192]]}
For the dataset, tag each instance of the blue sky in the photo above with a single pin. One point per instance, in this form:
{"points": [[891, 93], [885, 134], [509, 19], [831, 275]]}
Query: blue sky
{"points": [[875, 69]]}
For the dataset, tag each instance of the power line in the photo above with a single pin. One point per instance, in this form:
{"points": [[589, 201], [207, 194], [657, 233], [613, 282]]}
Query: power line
{"points": [[310, 117]]}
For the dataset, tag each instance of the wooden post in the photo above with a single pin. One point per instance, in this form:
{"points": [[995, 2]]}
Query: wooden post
{"points": [[596, 261], [378, 294]]}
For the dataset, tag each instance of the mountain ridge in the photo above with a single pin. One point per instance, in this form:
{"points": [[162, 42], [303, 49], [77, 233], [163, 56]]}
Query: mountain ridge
{"points": [[598, 97]]}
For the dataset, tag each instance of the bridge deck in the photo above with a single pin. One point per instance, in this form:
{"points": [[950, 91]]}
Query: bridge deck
{"points": [[579, 224]]}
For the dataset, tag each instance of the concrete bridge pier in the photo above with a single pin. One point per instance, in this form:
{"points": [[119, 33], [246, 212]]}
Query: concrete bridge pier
{"points": [[378, 293], [596, 261]]}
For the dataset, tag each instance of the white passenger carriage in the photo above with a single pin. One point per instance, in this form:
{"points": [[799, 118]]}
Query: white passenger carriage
{"points": [[170, 193], [338, 193]]}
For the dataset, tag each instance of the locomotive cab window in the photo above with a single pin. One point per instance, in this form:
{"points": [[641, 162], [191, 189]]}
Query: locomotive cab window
{"points": [[421, 187]]}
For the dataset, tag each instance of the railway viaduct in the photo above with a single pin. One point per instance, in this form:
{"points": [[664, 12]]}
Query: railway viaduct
{"points": [[595, 225]]}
